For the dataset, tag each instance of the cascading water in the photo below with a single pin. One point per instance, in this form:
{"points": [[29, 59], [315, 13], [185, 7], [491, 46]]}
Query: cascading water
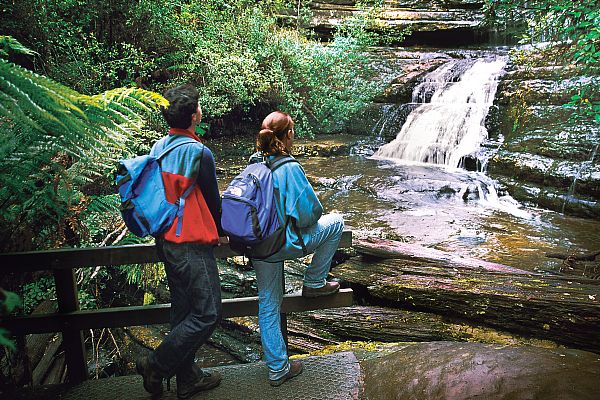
{"points": [[451, 125], [448, 125]]}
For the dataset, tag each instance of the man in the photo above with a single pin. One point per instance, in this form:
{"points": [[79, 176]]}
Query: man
{"points": [[187, 251]]}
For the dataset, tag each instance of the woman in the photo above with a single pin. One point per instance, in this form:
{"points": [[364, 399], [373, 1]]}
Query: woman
{"points": [[308, 232]]}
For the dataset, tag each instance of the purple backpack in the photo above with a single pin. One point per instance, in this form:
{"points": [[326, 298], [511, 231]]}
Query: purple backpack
{"points": [[249, 212]]}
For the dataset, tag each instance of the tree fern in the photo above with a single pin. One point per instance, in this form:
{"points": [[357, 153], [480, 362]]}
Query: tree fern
{"points": [[54, 140]]}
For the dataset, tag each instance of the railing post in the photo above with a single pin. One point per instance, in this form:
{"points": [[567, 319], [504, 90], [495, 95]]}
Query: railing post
{"points": [[68, 301]]}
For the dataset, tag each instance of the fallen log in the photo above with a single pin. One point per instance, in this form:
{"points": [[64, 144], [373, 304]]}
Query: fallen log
{"points": [[555, 308], [386, 324], [56, 372], [43, 367], [579, 257], [382, 248], [37, 343]]}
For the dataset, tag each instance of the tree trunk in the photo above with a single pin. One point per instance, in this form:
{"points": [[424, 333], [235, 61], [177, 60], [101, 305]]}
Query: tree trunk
{"points": [[556, 308], [386, 324]]}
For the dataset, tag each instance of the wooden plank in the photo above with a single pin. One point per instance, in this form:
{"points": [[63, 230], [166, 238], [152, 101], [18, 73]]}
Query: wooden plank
{"points": [[159, 314], [101, 256]]}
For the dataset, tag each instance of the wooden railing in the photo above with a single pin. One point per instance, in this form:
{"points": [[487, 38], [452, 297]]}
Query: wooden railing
{"points": [[71, 321]]}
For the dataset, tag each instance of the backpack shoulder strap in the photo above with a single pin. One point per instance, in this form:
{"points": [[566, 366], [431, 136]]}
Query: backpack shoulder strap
{"points": [[279, 161], [175, 145]]}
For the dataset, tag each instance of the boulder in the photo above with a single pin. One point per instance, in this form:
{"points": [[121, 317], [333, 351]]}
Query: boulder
{"points": [[446, 370]]}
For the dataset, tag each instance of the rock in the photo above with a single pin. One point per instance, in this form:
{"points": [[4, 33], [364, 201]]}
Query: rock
{"points": [[551, 198], [324, 145], [383, 120], [561, 309], [459, 16], [546, 157], [446, 370], [400, 89]]}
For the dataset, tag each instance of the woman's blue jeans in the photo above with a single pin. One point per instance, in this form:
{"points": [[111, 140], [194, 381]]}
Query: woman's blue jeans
{"points": [[323, 239]]}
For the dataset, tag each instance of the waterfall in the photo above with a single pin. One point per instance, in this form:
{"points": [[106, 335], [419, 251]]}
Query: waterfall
{"points": [[449, 123]]}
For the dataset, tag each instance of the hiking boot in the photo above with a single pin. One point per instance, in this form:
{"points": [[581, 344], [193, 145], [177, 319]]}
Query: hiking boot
{"points": [[295, 369], [205, 381], [152, 380], [326, 290]]}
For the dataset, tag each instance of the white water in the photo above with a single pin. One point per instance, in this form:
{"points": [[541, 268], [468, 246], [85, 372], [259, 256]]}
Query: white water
{"points": [[451, 125]]}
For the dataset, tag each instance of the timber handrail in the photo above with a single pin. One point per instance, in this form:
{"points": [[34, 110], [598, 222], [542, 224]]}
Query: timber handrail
{"points": [[71, 321]]}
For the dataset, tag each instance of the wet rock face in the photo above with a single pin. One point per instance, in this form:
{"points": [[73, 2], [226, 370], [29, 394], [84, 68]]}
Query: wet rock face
{"points": [[548, 158], [445, 370], [429, 21]]}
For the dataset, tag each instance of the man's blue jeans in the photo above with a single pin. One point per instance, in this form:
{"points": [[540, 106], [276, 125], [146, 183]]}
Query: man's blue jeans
{"points": [[195, 306], [323, 239]]}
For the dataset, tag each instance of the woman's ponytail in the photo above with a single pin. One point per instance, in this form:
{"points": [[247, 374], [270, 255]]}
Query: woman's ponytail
{"points": [[268, 143], [274, 128]]}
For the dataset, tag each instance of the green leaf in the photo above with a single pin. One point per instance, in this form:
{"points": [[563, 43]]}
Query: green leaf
{"points": [[9, 301], [202, 128], [4, 341], [8, 43]]}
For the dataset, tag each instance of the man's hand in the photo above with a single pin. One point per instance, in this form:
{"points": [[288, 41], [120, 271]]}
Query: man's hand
{"points": [[223, 240]]}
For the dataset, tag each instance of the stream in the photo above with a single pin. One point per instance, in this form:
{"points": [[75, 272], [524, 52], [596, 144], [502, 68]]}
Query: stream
{"points": [[415, 188], [454, 210]]}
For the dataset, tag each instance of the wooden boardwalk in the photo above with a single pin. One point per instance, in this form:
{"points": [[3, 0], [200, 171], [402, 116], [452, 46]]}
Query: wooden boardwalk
{"points": [[336, 376]]}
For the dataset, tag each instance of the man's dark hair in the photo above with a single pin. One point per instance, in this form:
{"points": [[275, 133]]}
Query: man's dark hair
{"points": [[183, 102]]}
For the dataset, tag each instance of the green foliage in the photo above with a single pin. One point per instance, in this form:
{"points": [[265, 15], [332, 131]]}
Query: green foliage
{"points": [[36, 292], [9, 301], [202, 128], [234, 51], [576, 24], [144, 275], [9, 45], [56, 140], [102, 225]]}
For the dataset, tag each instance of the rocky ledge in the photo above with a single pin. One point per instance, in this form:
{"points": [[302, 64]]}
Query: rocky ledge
{"points": [[422, 20], [548, 156]]}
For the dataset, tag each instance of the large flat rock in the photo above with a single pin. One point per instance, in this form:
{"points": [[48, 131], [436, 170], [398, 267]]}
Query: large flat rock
{"points": [[448, 370]]}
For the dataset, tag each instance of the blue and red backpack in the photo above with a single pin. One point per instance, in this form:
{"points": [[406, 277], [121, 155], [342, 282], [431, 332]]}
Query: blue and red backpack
{"points": [[144, 205]]}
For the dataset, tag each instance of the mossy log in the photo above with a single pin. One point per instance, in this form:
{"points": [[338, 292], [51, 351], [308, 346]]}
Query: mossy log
{"points": [[385, 324], [555, 308], [45, 364]]}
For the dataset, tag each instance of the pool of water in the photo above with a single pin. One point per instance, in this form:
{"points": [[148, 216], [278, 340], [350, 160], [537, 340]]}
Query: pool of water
{"points": [[458, 211]]}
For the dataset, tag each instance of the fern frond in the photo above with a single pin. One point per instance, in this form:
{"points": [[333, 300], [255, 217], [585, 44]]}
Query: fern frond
{"points": [[54, 139], [8, 43]]}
